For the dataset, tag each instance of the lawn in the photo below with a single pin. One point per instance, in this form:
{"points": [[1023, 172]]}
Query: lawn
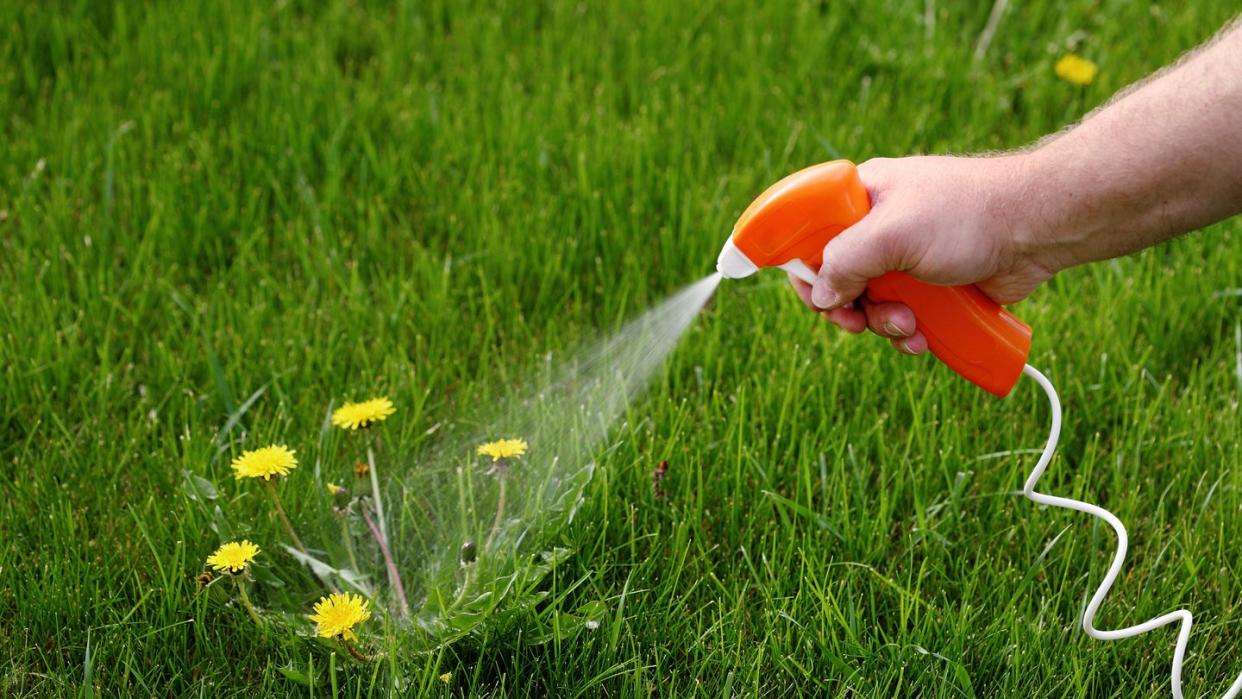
{"points": [[218, 220]]}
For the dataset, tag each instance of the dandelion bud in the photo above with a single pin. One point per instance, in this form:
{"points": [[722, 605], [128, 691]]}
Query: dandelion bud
{"points": [[469, 552]]}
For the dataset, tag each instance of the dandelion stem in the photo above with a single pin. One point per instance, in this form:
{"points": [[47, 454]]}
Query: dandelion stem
{"points": [[375, 493], [348, 540], [465, 586], [280, 510], [500, 513], [245, 600], [394, 578], [354, 652]]}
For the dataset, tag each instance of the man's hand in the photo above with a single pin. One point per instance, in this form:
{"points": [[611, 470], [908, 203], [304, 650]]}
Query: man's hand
{"points": [[946, 221], [1162, 158]]}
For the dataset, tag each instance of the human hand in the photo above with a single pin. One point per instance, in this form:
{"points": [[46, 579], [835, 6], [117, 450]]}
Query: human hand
{"points": [[943, 220]]}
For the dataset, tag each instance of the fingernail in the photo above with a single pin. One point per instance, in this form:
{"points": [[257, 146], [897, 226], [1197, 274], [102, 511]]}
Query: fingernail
{"points": [[891, 328], [822, 296], [905, 347]]}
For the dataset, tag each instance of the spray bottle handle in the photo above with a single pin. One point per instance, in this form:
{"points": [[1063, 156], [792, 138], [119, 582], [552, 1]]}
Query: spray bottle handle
{"points": [[790, 223], [972, 334], [969, 332]]}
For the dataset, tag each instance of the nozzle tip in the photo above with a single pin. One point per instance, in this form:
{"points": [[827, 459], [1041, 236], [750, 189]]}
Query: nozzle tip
{"points": [[733, 263]]}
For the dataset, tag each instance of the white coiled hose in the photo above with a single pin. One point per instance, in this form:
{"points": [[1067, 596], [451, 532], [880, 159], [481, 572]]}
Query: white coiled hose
{"points": [[1182, 616]]}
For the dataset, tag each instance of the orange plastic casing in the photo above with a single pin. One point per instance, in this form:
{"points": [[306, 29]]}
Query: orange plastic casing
{"points": [[965, 329]]}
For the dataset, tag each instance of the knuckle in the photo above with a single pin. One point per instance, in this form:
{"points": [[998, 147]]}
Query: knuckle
{"points": [[874, 166], [893, 243], [875, 175], [828, 270]]}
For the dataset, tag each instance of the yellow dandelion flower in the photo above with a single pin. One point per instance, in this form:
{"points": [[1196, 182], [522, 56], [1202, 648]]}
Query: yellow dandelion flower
{"points": [[338, 614], [503, 449], [276, 460], [334, 489], [351, 416], [1075, 69], [233, 557], [446, 677]]}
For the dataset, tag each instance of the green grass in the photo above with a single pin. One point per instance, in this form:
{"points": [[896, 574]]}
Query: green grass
{"points": [[321, 200]]}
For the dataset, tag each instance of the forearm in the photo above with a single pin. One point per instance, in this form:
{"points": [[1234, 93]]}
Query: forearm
{"points": [[1159, 160]]}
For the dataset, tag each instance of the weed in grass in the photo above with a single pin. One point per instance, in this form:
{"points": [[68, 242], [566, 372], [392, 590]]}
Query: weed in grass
{"points": [[217, 216]]}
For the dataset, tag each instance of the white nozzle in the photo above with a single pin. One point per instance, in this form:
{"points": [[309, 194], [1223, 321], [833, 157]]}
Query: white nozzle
{"points": [[732, 263]]}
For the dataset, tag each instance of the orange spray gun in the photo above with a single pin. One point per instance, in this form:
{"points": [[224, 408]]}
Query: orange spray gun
{"points": [[788, 226]]}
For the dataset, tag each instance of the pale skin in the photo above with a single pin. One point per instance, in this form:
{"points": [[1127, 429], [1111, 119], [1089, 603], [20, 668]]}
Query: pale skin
{"points": [[1162, 158]]}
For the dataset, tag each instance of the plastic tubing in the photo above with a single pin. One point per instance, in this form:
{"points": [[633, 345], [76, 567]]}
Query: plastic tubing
{"points": [[1181, 616]]}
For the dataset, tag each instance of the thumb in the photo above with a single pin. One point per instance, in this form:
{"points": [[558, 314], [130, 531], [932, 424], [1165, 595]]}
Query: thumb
{"points": [[855, 256]]}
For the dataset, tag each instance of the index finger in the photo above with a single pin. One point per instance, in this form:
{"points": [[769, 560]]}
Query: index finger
{"points": [[802, 289], [847, 318]]}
